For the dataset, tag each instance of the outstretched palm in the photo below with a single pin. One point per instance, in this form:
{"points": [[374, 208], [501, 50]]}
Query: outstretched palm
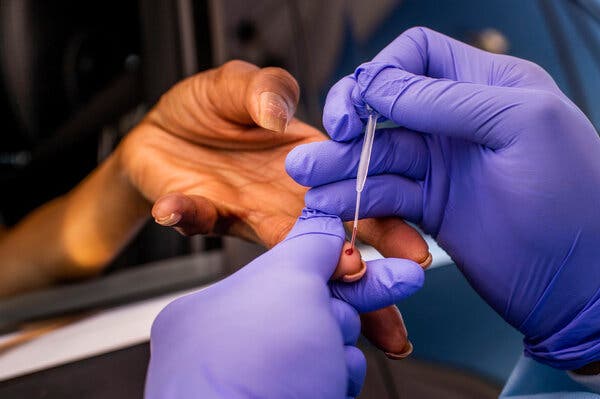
{"points": [[243, 191], [226, 173]]}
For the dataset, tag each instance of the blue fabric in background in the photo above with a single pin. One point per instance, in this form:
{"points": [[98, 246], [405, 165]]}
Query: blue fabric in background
{"points": [[522, 22]]}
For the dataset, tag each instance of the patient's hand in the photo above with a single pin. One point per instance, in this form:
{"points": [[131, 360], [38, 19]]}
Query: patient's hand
{"points": [[211, 155], [202, 153], [202, 156]]}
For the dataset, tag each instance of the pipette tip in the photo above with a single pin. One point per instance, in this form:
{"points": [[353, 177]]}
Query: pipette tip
{"points": [[353, 240]]}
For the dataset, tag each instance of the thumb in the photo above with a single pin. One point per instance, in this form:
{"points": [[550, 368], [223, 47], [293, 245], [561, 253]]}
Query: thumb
{"points": [[247, 94], [474, 112], [271, 98]]}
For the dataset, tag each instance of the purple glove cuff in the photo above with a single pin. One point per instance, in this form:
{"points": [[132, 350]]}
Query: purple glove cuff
{"points": [[315, 222], [561, 351]]}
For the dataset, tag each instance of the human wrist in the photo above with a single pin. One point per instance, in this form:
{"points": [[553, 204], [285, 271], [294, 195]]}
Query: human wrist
{"points": [[109, 211], [119, 165]]}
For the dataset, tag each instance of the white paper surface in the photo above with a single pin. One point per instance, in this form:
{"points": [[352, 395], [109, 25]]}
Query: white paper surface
{"points": [[110, 330]]}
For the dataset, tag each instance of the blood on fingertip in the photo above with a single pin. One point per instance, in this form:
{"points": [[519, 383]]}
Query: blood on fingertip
{"points": [[350, 265]]}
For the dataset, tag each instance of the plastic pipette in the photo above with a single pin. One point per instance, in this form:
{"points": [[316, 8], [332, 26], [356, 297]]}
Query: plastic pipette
{"points": [[363, 166]]}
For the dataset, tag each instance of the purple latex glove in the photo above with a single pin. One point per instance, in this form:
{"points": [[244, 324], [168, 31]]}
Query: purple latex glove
{"points": [[494, 162], [273, 329]]}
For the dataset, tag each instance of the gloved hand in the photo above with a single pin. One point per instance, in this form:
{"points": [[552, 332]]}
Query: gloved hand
{"points": [[273, 329], [494, 162]]}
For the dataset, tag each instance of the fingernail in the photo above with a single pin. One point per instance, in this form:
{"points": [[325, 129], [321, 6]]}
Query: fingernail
{"points": [[350, 278], [169, 220], [427, 262], [273, 111], [408, 349]]}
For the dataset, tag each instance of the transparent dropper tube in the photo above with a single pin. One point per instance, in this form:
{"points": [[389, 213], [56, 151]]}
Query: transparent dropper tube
{"points": [[363, 166]]}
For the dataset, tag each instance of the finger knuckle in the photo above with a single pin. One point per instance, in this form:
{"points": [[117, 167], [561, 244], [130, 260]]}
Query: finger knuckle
{"points": [[280, 74], [277, 79], [533, 70], [546, 107], [417, 32], [236, 65]]}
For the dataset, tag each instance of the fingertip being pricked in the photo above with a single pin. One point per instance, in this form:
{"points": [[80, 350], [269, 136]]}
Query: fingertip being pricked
{"points": [[350, 266]]}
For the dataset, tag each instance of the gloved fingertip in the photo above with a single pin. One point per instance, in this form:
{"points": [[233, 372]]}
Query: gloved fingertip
{"points": [[357, 369], [339, 114], [299, 164], [343, 127], [370, 89], [387, 282], [348, 320], [405, 277]]}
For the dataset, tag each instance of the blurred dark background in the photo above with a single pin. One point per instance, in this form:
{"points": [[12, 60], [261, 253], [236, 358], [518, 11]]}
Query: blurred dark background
{"points": [[75, 78], [57, 58]]}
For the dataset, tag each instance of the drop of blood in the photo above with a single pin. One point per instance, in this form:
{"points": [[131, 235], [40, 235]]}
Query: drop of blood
{"points": [[349, 251]]}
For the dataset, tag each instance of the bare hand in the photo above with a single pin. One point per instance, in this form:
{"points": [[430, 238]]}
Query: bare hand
{"points": [[211, 156]]}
